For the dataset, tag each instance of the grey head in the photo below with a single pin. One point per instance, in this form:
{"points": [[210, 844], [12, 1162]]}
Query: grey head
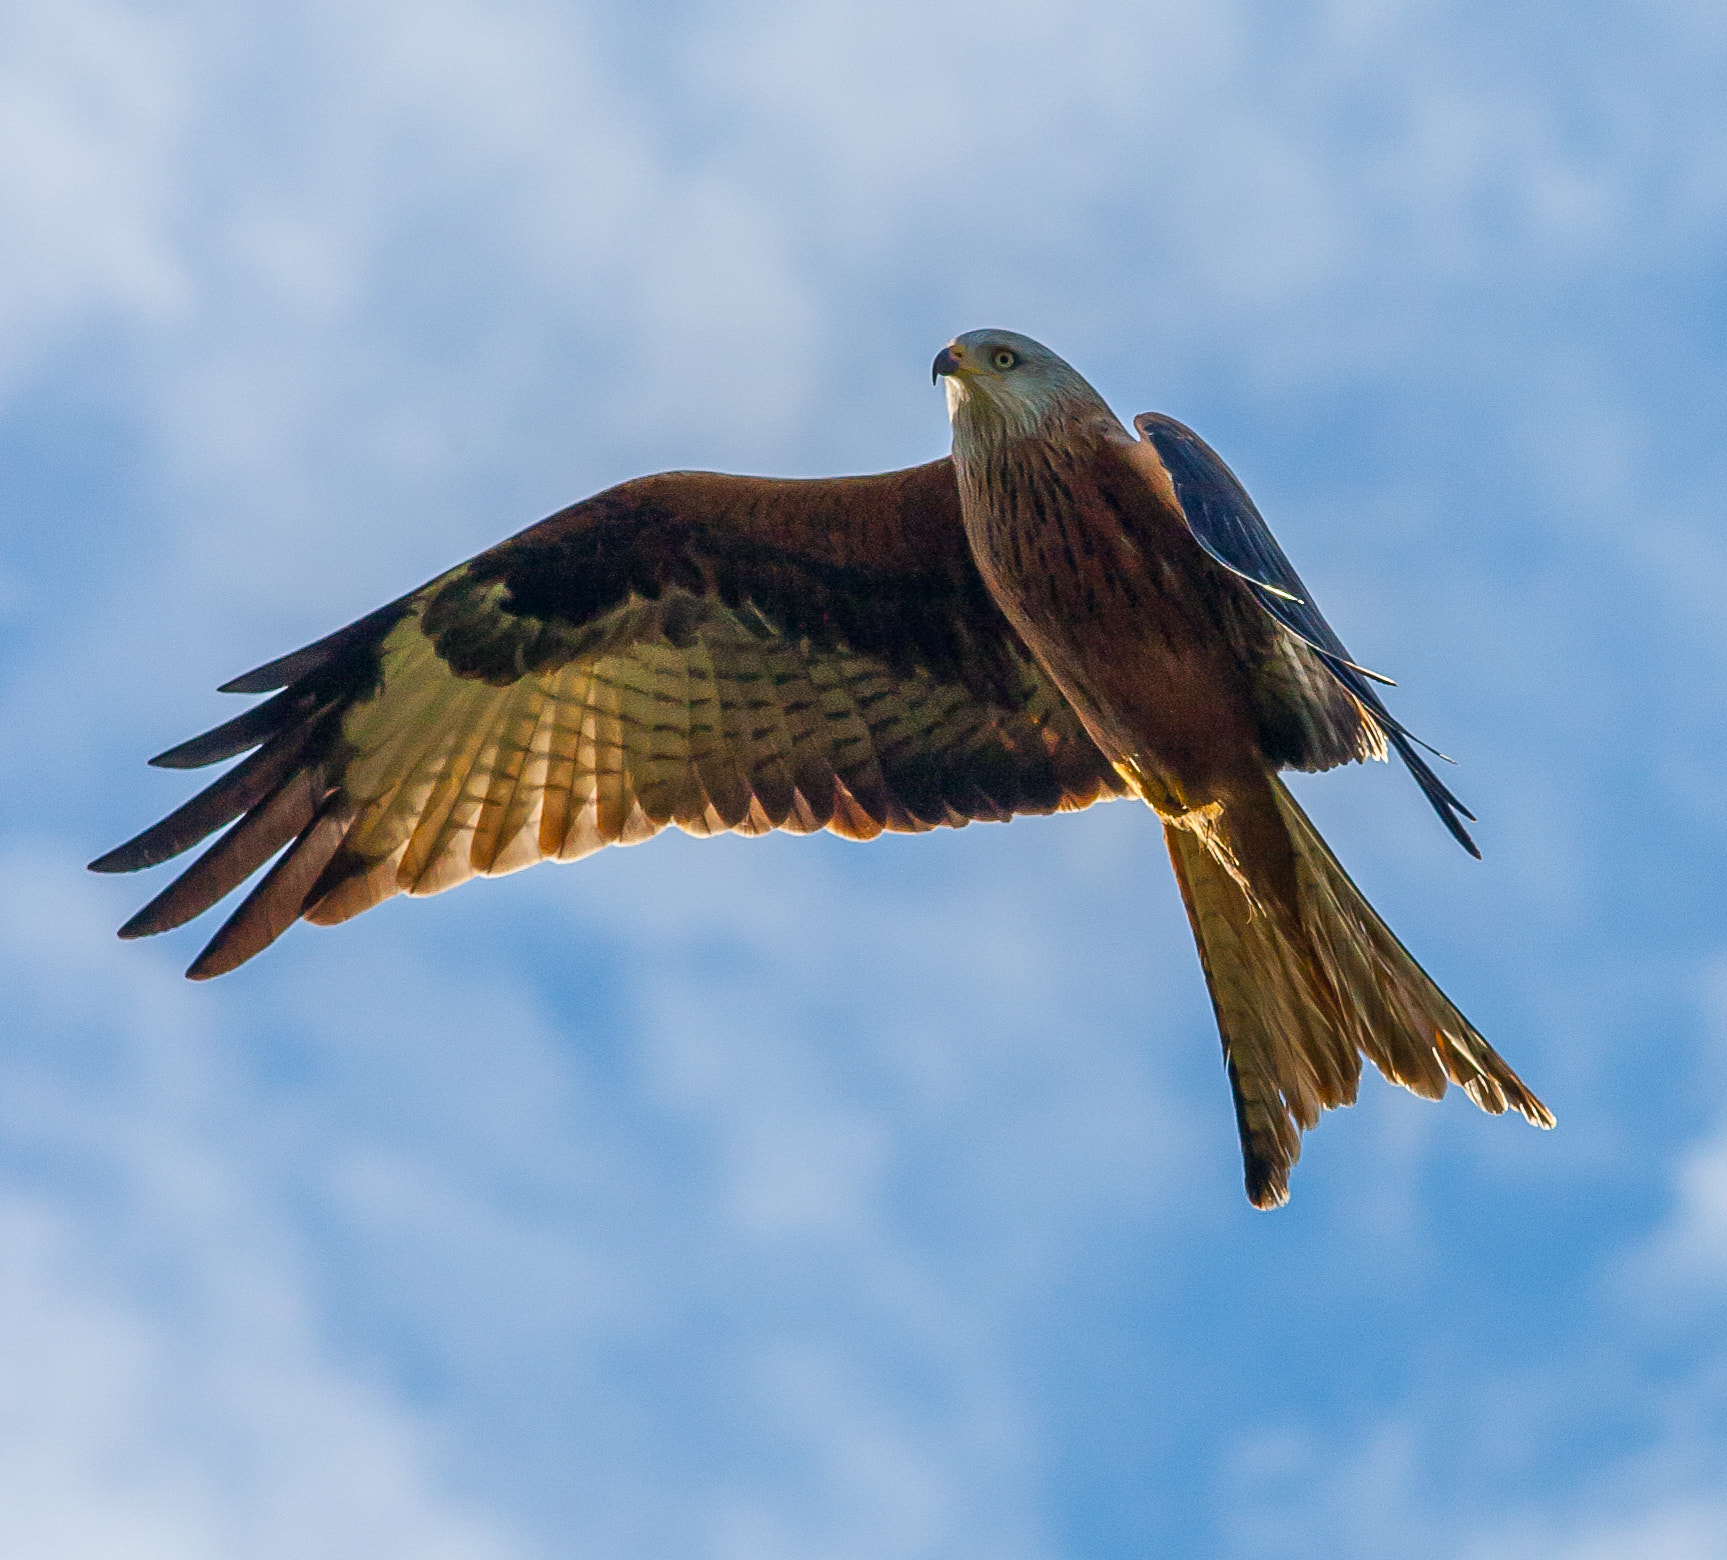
{"points": [[1003, 386]]}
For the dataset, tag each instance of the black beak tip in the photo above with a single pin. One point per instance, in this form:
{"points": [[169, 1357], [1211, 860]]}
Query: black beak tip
{"points": [[945, 363]]}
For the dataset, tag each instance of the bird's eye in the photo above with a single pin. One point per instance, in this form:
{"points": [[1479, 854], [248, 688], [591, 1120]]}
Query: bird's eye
{"points": [[1004, 360]]}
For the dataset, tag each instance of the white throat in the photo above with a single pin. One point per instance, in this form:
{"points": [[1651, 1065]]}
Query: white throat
{"points": [[984, 424]]}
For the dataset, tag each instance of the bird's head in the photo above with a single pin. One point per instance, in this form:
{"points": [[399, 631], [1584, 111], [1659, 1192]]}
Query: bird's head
{"points": [[1003, 386]]}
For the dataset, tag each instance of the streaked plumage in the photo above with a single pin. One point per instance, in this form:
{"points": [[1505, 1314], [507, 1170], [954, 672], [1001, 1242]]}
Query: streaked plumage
{"points": [[1060, 614]]}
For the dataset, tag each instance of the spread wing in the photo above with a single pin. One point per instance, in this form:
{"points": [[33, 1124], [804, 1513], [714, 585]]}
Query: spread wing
{"points": [[716, 652], [1228, 525]]}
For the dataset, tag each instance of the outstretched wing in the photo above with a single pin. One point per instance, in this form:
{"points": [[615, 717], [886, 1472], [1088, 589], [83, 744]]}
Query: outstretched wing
{"points": [[1228, 525], [722, 653]]}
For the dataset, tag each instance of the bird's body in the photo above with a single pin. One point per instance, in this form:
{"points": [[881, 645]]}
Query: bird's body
{"points": [[1098, 577], [1153, 645], [1061, 614]]}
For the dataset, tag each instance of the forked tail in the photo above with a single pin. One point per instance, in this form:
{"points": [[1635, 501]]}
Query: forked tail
{"points": [[1303, 991]]}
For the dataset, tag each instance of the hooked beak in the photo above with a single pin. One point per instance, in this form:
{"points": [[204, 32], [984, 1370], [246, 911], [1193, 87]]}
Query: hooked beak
{"points": [[946, 362]]}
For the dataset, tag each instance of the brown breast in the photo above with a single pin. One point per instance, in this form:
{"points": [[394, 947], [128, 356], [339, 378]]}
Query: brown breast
{"points": [[1144, 634]]}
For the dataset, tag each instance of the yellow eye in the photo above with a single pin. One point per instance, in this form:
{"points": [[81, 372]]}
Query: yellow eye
{"points": [[1004, 360]]}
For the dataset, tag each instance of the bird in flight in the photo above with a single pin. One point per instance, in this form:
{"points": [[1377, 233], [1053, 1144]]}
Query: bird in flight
{"points": [[1059, 614]]}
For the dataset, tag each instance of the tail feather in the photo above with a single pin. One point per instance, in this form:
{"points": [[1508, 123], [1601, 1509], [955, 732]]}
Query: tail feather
{"points": [[1302, 992]]}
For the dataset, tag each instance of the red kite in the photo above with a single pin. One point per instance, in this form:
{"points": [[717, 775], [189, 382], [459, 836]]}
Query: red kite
{"points": [[1059, 614]]}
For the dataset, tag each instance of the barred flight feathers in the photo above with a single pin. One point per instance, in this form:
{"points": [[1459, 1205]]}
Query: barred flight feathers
{"points": [[720, 653]]}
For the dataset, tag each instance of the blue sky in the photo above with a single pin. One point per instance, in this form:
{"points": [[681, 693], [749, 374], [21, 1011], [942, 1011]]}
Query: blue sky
{"points": [[793, 1198]]}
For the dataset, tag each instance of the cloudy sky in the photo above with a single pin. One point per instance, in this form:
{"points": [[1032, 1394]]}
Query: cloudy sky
{"points": [[801, 1200]]}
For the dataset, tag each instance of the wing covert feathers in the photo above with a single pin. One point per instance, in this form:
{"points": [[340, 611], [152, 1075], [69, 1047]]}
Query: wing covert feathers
{"points": [[677, 668], [1301, 998]]}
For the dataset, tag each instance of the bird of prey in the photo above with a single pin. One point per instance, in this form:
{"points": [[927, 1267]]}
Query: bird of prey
{"points": [[1058, 614]]}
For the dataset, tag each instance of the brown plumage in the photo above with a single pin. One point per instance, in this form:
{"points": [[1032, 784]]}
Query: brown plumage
{"points": [[1061, 614]]}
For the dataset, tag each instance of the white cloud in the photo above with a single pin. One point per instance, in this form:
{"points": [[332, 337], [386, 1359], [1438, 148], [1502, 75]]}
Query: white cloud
{"points": [[170, 1389], [1682, 1530], [1675, 1276], [92, 109], [1686, 1261]]}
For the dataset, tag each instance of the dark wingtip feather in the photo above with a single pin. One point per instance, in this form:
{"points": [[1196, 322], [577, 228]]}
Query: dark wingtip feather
{"points": [[275, 904], [290, 668], [1462, 835], [235, 857], [279, 792], [256, 725], [1451, 811], [241, 789], [141, 924], [278, 673]]}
